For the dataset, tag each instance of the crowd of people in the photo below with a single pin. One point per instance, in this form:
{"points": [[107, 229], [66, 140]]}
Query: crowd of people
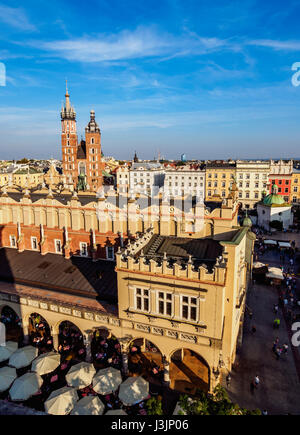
{"points": [[71, 343], [39, 333], [106, 351]]}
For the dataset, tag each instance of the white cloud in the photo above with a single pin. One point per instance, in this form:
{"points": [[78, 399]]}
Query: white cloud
{"points": [[15, 17], [141, 43], [276, 45]]}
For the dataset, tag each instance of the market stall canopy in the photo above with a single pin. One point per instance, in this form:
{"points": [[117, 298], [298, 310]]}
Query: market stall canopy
{"points": [[23, 357], [62, 401], [270, 242], [275, 273], [46, 363], [107, 381], [89, 405], [7, 376], [25, 386], [284, 244], [7, 350], [258, 265], [81, 375], [133, 390]]}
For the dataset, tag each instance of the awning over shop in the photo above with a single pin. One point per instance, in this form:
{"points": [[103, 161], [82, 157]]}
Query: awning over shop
{"points": [[284, 244], [275, 273]]}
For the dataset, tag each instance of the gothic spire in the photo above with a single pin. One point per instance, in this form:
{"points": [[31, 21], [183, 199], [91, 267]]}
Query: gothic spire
{"points": [[68, 111]]}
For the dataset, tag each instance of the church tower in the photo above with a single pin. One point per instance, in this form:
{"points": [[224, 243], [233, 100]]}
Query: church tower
{"points": [[69, 142], [94, 164]]}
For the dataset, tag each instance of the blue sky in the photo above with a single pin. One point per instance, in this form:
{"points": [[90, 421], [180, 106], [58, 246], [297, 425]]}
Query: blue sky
{"points": [[210, 79]]}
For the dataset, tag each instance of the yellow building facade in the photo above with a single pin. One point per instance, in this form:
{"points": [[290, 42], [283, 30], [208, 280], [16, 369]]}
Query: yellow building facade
{"points": [[219, 179], [295, 188]]}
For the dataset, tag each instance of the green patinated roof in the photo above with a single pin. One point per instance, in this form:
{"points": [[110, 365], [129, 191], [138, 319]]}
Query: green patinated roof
{"points": [[247, 222], [274, 199]]}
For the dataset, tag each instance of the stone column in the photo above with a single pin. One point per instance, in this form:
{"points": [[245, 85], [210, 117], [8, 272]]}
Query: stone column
{"points": [[124, 352], [88, 346], [25, 332], [55, 342], [166, 364]]}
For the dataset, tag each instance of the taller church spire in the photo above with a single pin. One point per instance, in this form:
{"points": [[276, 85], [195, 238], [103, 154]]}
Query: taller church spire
{"points": [[68, 111]]}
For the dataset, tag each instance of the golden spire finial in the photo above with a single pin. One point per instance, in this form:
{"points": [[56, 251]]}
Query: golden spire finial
{"points": [[67, 93]]}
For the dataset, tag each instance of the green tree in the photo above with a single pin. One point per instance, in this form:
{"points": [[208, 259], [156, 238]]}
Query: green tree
{"points": [[217, 403], [154, 406]]}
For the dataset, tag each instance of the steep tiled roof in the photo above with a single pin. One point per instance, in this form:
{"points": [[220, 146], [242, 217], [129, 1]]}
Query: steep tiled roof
{"points": [[76, 276]]}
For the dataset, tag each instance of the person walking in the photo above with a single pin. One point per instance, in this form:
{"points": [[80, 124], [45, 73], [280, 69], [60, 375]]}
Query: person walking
{"points": [[256, 381], [228, 380], [275, 308], [278, 353], [284, 348], [275, 343], [276, 323]]}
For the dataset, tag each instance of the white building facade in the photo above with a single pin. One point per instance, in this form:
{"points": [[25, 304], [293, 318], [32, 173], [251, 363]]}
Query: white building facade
{"points": [[252, 178]]}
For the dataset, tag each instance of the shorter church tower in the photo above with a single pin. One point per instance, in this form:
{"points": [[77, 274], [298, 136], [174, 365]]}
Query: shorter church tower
{"points": [[94, 164]]}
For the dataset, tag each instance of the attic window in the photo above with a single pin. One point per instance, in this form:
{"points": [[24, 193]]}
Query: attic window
{"points": [[70, 269], [44, 265]]}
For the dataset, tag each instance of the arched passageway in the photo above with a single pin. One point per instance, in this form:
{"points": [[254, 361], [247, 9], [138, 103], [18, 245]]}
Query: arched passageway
{"points": [[13, 324], [189, 372], [40, 333], [106, 350], [145, 359], [70, 342]]}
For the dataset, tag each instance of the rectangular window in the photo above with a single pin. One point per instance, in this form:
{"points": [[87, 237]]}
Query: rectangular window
{"points": [[142, 299], [34, 243], [189, 308], [165, 303], [58, 248], [83, 249], [13, 242], [110, 255]]}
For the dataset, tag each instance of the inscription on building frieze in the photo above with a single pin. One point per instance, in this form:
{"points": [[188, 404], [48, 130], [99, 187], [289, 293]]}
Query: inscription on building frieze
{"points": [[157, 331], [89, 316], [172, 334], [189, 338], [101, 319], [33, 303], [65, 310], [141, 327], [54, 308], [4, 296], [115, 322]]}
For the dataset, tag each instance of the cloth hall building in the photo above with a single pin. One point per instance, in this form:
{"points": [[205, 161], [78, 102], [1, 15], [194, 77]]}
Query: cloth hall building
{"points": [[172, 282]]}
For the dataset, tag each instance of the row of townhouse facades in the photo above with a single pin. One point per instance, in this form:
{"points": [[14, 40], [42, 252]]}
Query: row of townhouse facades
{"points": [[254, 179]]}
